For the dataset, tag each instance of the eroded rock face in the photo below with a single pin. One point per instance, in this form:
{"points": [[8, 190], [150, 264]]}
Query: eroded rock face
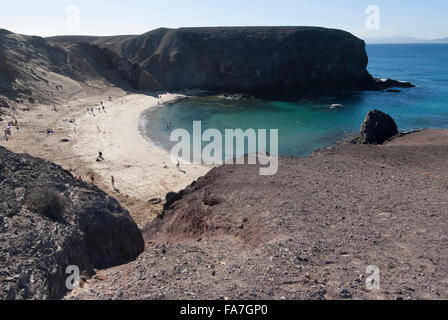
{"points": [[267, 62], [126, 70], [283, 63], [283, 60], [236, 96], [50, 220], [390, 83], [240, 235], [377, 128], [45, 71]]}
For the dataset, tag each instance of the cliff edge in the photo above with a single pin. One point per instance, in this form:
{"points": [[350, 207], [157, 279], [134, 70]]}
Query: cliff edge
{"points": [[50, 220], [271, 62]]}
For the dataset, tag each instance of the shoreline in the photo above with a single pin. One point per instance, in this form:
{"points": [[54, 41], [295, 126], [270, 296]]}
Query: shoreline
{"points": [[133, 159], [340, 212], [136, 163], [142, 170], [141, 122]]}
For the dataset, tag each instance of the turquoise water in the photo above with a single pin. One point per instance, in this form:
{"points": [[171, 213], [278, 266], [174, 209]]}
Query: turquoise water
{"points": [[305, 126]]}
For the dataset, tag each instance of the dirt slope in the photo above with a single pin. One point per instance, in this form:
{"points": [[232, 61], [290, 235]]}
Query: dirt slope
{"points": [[307, 233], [50, 220]]}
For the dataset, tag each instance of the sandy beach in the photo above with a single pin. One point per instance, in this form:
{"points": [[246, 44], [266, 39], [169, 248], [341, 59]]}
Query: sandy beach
{"points": [[141, 169], [91, 209]]}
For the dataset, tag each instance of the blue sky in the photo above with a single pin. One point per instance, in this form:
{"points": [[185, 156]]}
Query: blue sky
{"points": [[423, 19]]}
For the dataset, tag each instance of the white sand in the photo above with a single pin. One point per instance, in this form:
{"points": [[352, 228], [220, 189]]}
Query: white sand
{"points": [[136, 164]]}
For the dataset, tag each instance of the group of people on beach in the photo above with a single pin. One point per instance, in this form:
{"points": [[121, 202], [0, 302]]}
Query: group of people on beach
{"points": [[90, 110], [100, 157], [7, 131], [91, 174], [101, 107]]}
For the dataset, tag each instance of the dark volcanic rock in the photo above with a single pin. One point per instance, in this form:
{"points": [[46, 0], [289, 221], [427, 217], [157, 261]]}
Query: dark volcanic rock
{"points": [[377, 128], [110, 60], [272, 62], [50, 220], [256, 60], [34, 68], [3, 103], [236, 96], [390, 83], [170, 198], [280, 62]]}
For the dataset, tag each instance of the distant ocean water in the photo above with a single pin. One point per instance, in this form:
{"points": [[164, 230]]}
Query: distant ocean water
{"points": [[304, 127]]}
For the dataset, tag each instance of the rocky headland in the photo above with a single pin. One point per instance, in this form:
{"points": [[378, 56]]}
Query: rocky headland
{"points": [[50, 220], [308, 232], [270, 62]]}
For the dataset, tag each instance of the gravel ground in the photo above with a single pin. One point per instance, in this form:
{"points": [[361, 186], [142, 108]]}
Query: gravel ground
{"points": [[308, 232]]}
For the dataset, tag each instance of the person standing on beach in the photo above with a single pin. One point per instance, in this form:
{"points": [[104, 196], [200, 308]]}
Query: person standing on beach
{"points": [[112, 181], [92, 177], [100, 157]]}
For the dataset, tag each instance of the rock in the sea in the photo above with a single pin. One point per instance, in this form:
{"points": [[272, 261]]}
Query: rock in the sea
{"points": [[390, 83], [280, 61], [50, 220], [276, 62], [236, 96], [377, 128], [284, 63]]}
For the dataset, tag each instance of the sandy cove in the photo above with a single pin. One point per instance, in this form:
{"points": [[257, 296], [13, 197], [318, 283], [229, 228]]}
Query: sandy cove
{"points": [[137, 165]]}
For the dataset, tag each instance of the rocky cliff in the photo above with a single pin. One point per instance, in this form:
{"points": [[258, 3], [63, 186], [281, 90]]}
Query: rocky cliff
{"points": [[259, 60], [34, 69], [49, 220], [277, 62], [284, 61]]}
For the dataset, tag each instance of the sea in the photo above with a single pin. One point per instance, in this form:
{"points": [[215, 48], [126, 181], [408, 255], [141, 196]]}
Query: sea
{"points": [[305, 126]]}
